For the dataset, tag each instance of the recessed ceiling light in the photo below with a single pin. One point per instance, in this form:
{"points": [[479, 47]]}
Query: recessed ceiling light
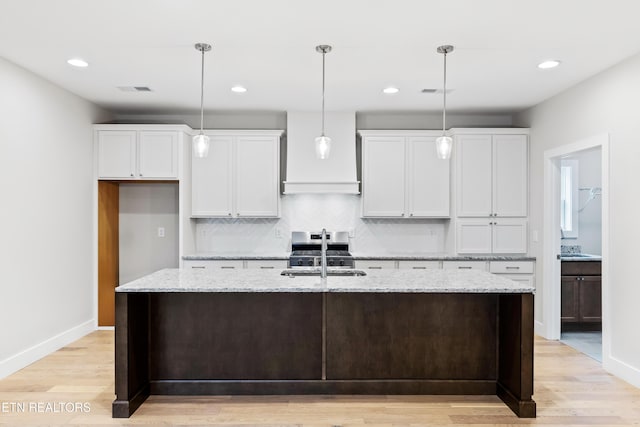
{"points": [[239, 89], [391, 90], [77, 62], [549, 64]]}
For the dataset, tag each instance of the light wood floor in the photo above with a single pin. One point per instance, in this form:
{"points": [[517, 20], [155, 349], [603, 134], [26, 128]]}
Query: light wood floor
{"points": [[570, 389]]}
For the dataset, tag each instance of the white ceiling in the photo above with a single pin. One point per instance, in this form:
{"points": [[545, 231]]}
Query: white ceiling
{"points": [[268, 47]]}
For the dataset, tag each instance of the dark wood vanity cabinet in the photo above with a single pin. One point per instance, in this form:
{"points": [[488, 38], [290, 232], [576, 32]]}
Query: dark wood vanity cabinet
{"points": [[581, 292]]}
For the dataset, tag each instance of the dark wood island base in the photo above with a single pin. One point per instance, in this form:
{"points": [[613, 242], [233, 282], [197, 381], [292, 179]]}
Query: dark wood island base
{"points": [[210, 343]]}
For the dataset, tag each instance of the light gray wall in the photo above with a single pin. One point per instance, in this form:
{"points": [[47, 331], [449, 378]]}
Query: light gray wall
{"points": [[216, 120], [606, 103], [144, 208], [424, 120], [46, 216]]}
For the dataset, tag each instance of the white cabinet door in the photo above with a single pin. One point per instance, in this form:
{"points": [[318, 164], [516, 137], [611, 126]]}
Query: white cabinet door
{"points": [[473, 236], [510, 171], [509, 235], [211, 180], [158, 155], [427, 179], [383, 168], [257, 176], [117, 154], [474, 154]]}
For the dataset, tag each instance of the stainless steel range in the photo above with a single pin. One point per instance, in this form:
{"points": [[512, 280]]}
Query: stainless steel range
{"points": [[306, 249]]}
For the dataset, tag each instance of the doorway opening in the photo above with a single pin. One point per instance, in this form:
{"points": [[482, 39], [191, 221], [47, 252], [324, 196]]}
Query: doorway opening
{"points": [[575, 257]]}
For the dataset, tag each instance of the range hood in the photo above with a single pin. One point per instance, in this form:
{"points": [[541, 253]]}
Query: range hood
{"points": [[308, 174]]}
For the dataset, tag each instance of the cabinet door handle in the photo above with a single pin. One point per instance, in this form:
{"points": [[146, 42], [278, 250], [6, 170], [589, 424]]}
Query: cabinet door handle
{"points": [[410, 214], [464, 267], [131, 174], [374, 267], [266, 267], [198, 266], [512, 268], [228, 267]]}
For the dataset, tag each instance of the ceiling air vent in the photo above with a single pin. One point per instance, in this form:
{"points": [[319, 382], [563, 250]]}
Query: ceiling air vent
{"points": [[135, 88]]}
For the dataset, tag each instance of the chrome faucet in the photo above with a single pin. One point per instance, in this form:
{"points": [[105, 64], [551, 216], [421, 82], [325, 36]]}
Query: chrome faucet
{"points": [[323, 263]]}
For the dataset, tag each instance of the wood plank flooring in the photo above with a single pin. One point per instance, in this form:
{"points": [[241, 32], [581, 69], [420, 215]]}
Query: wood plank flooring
{"points": [[571, 389]]}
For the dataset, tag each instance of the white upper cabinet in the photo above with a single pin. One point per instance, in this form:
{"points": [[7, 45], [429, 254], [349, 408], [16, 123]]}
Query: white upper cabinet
{"points": [[240, 177], [383, 177], [257, 176], [402, 176], [211, 179], [492, 173], [133, 154]]}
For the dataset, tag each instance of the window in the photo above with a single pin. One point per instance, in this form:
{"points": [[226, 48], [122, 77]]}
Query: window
{"points": [[569, 199]]}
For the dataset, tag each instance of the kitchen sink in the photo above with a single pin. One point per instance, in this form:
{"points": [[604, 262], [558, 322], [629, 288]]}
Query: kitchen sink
{"points": [[315, 271]]}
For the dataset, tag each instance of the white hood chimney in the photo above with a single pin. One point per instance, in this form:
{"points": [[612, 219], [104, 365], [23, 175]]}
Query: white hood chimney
{"points": [[308, 174]]}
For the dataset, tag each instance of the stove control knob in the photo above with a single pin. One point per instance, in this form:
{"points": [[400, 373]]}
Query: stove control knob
{"points": [[311, 262], [341, 262], [299, 262], [331, 262]]}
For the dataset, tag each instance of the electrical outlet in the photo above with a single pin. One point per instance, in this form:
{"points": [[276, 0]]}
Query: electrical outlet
{"points": [[352, 233], [534, 235], [160, 231], [278, 233]]}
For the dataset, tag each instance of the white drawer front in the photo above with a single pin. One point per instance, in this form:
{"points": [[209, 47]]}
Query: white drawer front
{"points": [[270, 264], [419, 265], [464, 265], [375, 265], [511, 267], [234, 264]]}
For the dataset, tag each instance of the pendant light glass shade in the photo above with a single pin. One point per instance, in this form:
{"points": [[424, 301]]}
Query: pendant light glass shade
{"points": [[201, 145], [323, 147], [201, 141], [443, 147], [323, 143], [444, 143]]}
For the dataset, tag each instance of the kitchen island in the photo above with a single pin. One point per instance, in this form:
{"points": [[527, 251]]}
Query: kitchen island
{"points": [[184, 332]]}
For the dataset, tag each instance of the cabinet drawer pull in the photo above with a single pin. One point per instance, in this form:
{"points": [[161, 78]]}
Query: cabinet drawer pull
{"points": [[266, 267], [228, 267], [198, 266], [419, 268], [512, 268], [464, 267], [374, 267]]}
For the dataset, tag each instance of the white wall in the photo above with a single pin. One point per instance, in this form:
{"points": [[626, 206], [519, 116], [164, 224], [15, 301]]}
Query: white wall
{"points": [[144, 208], [310, 212], [590, 219], [606, 103], [46, 217]]}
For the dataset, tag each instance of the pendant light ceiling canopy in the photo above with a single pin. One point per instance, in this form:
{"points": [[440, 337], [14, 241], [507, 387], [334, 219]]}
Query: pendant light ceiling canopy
{"points": [[444, 143], [201, 141], [323, 143]]}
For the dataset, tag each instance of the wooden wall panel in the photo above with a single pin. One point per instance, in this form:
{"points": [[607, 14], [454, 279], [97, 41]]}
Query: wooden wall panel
{"points": [[108, 249]]}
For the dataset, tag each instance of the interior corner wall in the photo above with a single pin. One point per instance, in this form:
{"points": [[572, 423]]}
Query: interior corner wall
{"points": [[605, 103], [46, 216]]}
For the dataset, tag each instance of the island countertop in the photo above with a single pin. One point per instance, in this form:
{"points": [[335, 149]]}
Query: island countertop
{"points": [[383, 281]]}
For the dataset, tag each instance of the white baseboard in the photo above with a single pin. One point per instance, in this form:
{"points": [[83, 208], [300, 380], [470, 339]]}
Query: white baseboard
{"points": [[26, 357], [538, 329], [106, 328], [622, 370]]}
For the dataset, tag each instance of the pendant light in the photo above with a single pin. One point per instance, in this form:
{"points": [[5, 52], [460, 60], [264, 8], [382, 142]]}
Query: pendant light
{"points": [[444, 143], [201, 141], [323, 143]]}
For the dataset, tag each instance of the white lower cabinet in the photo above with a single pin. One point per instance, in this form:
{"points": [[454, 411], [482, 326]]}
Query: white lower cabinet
{"points": [[464, 265], [491, 236], [267, 264], [232, 264], [383, 264], [419, 265]]}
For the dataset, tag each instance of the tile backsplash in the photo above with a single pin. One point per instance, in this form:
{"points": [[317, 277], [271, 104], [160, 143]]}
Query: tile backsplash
{"points": [[570, 249], [310, 212]]}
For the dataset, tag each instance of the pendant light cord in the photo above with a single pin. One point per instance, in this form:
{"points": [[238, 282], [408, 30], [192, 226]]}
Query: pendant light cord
{"points": [[324, 52], [444, 108], [202, 94]]}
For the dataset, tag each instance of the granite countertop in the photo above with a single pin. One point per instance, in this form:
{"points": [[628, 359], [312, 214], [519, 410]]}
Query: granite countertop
{"points": [[412, 281], [363, 257], [580, 257]]}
